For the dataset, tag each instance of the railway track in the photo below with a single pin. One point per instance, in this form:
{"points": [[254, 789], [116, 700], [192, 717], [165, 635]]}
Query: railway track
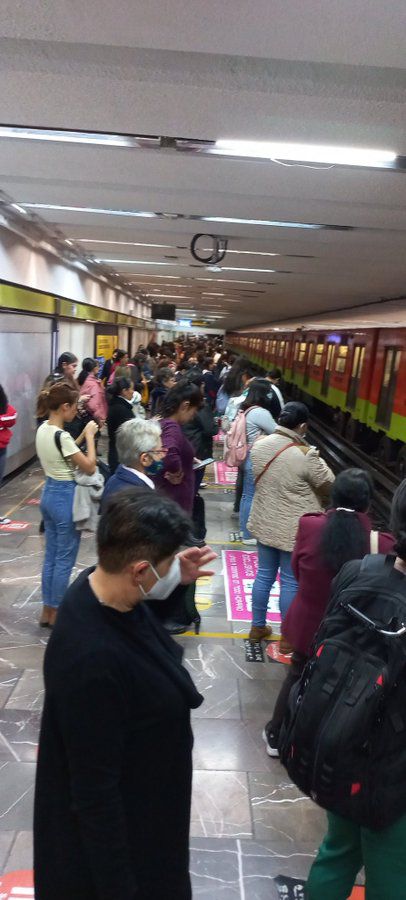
{"points": [[340, 454]]}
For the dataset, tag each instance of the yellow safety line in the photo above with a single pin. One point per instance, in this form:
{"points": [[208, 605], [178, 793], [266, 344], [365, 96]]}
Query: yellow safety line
{"points": [[27, 497]]}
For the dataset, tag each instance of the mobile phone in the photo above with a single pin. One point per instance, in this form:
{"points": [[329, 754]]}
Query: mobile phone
{"points": [[203, 463]]}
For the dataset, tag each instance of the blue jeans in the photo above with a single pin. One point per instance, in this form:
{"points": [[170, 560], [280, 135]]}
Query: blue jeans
{"points": [[248, 492], [270, 559], [61, 539], [3, 452]]}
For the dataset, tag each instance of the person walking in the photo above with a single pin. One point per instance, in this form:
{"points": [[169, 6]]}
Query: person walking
{"points": [[105, 826], [8, 418], [325, 541], [59, 454], [290, 480]]}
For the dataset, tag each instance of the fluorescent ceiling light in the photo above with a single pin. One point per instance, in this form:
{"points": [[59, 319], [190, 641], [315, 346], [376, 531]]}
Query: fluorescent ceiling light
{"points": [[313, 153], [169, 296], [146, 275], [136, 262], [19, 208], [67, 137], [227, 280], [212, 294], [131, 213], [249, 252], [124, 243], [241, 269], [231, 221]]}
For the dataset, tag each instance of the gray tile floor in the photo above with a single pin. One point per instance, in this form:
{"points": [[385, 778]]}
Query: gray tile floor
{"points": [[249, 824]]}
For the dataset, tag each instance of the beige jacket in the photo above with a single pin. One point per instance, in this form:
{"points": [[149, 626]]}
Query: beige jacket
{"points": [[293, 485]]}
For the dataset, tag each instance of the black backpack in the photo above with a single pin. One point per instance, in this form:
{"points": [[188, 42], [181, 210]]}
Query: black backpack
{"points": [[343, 741]]}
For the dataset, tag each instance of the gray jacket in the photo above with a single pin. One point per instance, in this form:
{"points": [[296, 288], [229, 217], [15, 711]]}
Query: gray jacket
{"points": [[86, 503]]}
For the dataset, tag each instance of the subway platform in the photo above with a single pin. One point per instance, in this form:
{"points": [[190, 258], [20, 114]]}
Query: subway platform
{"points": [[250, 825]]}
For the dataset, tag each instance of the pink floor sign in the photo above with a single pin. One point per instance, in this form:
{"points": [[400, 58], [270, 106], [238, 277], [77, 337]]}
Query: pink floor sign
{"points": [[240, 569], [225, 474]]}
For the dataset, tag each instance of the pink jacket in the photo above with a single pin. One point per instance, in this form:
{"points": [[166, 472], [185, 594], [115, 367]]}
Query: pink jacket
{"points": [[96, 405]]}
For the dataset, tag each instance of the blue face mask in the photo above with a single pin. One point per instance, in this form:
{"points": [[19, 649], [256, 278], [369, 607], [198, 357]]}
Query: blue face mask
{"points": [[154, 468]]}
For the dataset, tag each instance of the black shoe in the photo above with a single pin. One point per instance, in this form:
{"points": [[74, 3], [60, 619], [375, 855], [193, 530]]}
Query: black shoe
{"points": [[271, 739], [174, 627]]}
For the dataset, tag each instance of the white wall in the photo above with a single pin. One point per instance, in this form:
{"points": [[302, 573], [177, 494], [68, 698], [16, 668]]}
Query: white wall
{"points": [[35, 268], [78, 338]]}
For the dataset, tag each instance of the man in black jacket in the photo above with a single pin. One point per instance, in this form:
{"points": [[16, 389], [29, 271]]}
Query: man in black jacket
{"points": [[200, 432], [113, 788]]}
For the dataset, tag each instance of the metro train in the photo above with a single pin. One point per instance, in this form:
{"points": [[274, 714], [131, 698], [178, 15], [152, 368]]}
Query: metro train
{"points": [[355, 379]]}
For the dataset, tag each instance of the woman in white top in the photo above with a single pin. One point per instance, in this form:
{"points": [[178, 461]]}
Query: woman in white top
{"points": [[259, 422], [62, 539]]}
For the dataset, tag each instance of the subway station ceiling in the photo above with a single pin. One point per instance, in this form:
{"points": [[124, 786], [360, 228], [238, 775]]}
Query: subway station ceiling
{"points": [[320, 73]]}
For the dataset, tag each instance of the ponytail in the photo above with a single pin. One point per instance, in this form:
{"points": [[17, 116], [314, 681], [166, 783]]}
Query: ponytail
{"points": [[51, 398], [344, 537]]}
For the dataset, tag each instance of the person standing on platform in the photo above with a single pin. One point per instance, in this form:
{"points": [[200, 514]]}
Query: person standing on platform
{"points": [[8, 418], [258, 423], [114, 774], [179, 407], [107, 367], [290, 480], [325, 541], [58, 460], [120, 409], [200, 432], [92, 391], [275, 377]]}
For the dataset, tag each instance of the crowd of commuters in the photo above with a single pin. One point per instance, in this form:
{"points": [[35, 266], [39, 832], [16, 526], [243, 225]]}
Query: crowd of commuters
{"points": [[114, 678]]}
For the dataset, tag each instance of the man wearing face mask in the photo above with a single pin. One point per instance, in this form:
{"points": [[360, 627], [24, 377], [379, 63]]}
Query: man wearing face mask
{"points": [[141, 455], [113, 787]]}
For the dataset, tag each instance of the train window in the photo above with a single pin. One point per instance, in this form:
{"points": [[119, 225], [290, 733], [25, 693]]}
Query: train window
{"points": [[267, 346], [341, 360], [281, 348], [296, 354], [302, 351], [318, 355], [356, 371], [388, 387], [273, 348]]}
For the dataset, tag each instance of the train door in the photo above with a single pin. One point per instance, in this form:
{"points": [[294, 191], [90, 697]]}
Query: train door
{"points": [[388, 386], [309, 363], [327, 370], [355, 377]]}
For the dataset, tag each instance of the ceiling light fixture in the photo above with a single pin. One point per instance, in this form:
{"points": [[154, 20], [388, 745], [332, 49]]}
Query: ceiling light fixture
{"points": [[231, 221], [226, 280], [131, 213], [68, 137], [312, 153], [241, 269], [125, 243], [135, 262], [19, 209], [146, 275]]}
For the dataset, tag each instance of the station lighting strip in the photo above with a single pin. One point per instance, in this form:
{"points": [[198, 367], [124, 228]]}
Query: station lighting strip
{"points": [[271, 151]]}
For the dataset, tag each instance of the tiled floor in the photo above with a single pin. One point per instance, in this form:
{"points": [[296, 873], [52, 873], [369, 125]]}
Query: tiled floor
{"points": [[249, 824]]}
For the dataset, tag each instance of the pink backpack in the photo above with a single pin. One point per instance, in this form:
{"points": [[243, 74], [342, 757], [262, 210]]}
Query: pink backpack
{"points": [[236, 446]]}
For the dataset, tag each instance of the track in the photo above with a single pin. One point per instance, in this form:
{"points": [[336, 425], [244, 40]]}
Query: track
{"points": [[340, 454]]}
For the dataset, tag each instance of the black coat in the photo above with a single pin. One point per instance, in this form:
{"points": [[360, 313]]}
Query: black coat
{"points": [[119, 411], [113, 788], [201, 430]]}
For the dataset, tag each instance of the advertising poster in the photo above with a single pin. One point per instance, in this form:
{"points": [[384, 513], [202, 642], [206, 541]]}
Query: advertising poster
{"points": [[240, 569]]}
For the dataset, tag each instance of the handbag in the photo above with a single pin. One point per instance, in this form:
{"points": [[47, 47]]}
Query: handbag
{"points": [[265, 469]]}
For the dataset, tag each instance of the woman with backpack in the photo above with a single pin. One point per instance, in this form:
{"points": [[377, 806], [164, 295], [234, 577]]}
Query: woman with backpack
{"points": [[290, 480], [325, 541], [259, 422], [353, 733]]}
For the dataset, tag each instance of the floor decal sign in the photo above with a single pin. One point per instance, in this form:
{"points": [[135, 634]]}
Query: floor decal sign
{"points": [[17, 886], [225, 474], [15, 526], [240, 569], [294, 889]]}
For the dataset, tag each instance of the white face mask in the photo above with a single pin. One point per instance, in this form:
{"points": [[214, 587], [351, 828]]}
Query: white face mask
{"points": [[165, 584]]}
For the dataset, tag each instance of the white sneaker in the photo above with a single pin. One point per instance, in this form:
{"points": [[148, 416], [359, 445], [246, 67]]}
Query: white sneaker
{"points": [[4, 520], [249, 540]]}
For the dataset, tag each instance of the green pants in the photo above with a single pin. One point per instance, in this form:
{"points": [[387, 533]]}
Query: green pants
{"points": [[346, 848]]}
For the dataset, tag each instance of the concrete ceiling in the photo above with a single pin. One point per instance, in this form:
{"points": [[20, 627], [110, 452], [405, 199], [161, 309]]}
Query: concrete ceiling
{"points": [[274, 69]]}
